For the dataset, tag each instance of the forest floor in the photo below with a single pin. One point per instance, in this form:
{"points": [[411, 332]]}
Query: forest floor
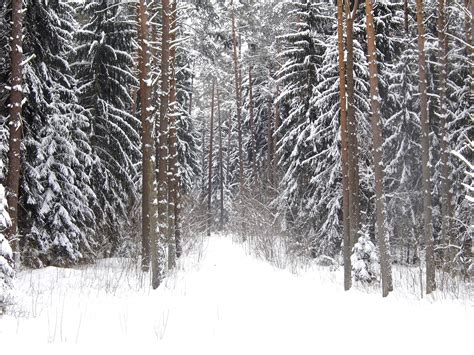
{"points": [[222, 300]]}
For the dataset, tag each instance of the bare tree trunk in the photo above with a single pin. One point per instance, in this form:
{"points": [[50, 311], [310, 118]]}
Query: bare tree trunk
{"points": [[162, 150], [221, 165], [148, 174], [252, 124], [15, 124], [209, 181], [405, 16], [238, 95], [378, 154], [173, 188], [425, 146], [270, 152], [344, 149], [446, 183], [229, 141], [352, 128]]}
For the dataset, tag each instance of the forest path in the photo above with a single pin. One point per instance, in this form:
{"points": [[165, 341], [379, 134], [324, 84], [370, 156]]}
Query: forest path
{"points": [[221, 300]]}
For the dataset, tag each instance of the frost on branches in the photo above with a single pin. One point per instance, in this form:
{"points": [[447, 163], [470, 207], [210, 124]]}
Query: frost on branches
{"points": [[365, 261]]}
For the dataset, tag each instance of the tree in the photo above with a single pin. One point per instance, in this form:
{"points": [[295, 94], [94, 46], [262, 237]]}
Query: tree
{"points": [[211, 141], [425, 144], [378, 154], [238, 93], [148, 164], [162, 148], [344, 149], [105, 68], [15, 121]]}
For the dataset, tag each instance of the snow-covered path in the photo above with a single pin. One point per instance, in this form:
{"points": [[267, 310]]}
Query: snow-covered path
{"points": [[223, 301]]}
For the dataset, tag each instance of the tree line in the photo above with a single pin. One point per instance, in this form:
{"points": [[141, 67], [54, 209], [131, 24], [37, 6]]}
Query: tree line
{"points": [[342, 126]]}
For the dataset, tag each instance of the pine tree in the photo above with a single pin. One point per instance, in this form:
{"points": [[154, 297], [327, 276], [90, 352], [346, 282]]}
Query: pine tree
{"points": [[56, 195], [104, 66]]}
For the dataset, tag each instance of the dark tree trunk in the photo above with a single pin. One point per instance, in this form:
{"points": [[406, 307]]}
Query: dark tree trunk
{"points": [[344, 149], [15, 124], [378, 153], [173, 178], [352, 127], [238, 95], [425, 146], [209, 181], [148, 166], [221, 165]]}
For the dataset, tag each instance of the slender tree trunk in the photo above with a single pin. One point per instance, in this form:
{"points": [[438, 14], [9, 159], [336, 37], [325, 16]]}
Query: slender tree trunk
{"points": [[446, 182], [252, 124], [425, 146], [229, 142], [162, 151], [15, 124], [238, 95], [378, 154], [344, 149], [209, 181], [172, 145], [352, 128], [221, 164], [270, 152], [148, 174], [405, 16]]}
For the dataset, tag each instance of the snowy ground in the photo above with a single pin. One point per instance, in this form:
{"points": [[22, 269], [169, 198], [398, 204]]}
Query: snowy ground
{"points": [[221, 300]]}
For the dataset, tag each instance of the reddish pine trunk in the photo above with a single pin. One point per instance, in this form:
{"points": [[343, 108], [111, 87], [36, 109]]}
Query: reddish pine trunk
{"points": [[221, 165], [14, 123]]}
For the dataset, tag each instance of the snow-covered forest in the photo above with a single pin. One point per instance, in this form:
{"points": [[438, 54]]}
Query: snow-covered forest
{"points": [[249, 156]]}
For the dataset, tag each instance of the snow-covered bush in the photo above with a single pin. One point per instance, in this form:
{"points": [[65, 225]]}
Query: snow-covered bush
{"points": [[365, 261], [6, 255]]}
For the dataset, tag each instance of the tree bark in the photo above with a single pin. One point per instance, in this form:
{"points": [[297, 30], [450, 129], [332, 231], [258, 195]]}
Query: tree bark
{"points": [[221, 165], [378, 153], [173, 184], [425, 147], [15, 124], [252, 124], [162, 150], [270, 152], [238, 95], [344, 149], [446, 183], [209, 181], [352, 128], [148, 166]]}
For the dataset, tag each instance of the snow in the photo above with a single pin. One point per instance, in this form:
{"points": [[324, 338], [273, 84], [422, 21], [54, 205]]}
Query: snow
{"points": [[221, 300]]}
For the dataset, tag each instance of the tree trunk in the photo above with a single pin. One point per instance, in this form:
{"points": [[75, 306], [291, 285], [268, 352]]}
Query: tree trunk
{"points": [[209, 181], [270, 152], [148, 166], [378, 154], [162, 151], [446, 183], [425, 146], [352, 128], [344, 149], [173, 186], [221, 165], [238, 95], [15, 124], [252, 125]]}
